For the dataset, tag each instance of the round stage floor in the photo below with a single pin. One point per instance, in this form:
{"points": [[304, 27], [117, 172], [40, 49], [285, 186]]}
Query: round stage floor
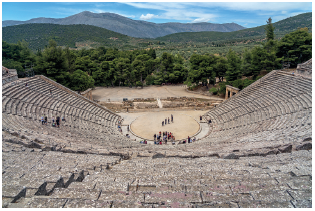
{"points": [[149, 124]]}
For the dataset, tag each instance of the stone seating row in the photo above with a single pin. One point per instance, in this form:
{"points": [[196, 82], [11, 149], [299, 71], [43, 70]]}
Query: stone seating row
{"points": [[191, 182], [32, 169], [190, 175], [173, 191], [256, 90], [72, 135], [281, 105], [13, 99], [33, 83], [75, 94]]}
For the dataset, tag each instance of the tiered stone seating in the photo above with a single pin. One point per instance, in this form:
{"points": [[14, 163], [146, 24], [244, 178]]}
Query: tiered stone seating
{"points": [[8, 75], [267, 99], [305, 69], [271, 181], [81, 118], [258, 153]]}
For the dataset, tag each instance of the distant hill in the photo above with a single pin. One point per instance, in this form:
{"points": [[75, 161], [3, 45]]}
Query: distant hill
{"points": [[37, 35], [127, 26], [281, 27]]}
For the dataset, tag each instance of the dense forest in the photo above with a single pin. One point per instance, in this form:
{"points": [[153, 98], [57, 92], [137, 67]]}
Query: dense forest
{"points": [[103, 66]]}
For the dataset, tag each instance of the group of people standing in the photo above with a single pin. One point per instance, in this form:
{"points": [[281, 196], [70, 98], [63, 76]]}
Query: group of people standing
{"points": [[167, 120], [54, 123], [165, 136]]}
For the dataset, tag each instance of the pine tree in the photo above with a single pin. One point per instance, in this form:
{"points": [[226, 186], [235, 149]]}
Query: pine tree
{"points": [[234, 66], [269, 30]]}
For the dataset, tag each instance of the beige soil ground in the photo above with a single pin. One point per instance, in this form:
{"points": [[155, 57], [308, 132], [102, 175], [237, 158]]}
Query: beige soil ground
{"points": [[146, 124], [118, 93]]}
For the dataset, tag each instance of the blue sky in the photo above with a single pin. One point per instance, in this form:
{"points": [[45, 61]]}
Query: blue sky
{"points": [[247, 14]]}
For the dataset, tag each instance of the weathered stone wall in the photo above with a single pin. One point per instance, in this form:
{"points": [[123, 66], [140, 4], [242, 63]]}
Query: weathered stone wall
{"points": [[87, 94], [305, 69], [8, 75], [232, 90], [9, 78]]}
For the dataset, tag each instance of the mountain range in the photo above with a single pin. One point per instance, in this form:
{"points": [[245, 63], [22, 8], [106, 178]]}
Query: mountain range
{"points": [[281, 28], [127, 26]]}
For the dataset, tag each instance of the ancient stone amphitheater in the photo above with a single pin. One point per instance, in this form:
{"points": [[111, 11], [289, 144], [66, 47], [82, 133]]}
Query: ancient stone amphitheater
{"points": [[258, 153]]}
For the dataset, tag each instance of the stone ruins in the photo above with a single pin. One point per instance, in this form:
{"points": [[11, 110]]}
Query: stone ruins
{"points": [[258, 152]]}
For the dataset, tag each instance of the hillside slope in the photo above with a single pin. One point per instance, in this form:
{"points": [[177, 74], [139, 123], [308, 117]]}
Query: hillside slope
{"points": [[281, 27], [127, 26], [38, 35]]}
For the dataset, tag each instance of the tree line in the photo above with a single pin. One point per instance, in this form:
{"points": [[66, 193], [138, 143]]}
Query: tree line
{"points": [[83, 69], [293, 48]]}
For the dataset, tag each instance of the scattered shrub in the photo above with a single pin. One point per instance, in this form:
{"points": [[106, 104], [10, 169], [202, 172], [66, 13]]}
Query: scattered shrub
{"points": [[213, 90]]}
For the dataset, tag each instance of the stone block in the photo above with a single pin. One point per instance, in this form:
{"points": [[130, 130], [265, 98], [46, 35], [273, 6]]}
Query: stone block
{"points": [[11, 190], [45, 202], [72, 193], [302, 203], [103, 204], [271, 195], [6, 201], [80, 203], [126, 204], [265, 204], [300, 183], [172, 197], [217, 204], [301, 194], [121, 196]]}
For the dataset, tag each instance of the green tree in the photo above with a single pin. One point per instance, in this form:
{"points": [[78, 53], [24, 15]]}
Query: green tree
{"points": [[99, 77], [70, 59], [258, 55], [81, 81], [202, 68], [295, 47], [139, 66], [122, 68], [246, 66], [269, 30], [221, 67], [52, 63], [83, 63], [17, 56], [152, 53], [234, 66]]}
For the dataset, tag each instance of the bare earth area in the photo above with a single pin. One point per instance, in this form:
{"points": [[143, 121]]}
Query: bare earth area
{"points": [[146, 124], [118, 93], [147, 121]]}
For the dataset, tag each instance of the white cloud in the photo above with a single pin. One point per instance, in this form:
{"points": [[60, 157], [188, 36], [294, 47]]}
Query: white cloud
{"points": [[234, 6], [258, 6], [147, 17], [198, 20], [98, 11]]}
